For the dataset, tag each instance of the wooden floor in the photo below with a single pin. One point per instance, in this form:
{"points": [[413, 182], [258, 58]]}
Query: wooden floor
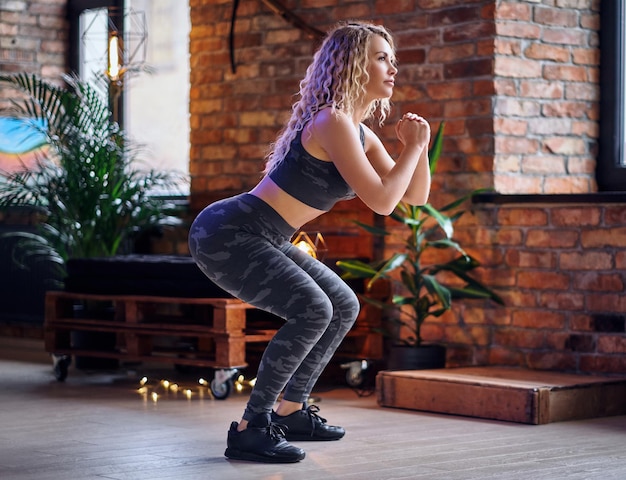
{"points": [[97, 426]]}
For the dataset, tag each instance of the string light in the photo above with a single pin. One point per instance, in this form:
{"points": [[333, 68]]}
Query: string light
{"points": [[239, 383], [162, 389]]}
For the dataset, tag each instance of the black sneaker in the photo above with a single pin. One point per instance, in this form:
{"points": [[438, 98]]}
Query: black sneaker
{"points": [[261, 441], [306, 424]]}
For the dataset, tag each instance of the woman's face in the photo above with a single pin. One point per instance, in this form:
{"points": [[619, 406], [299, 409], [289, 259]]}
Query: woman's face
{"points": [[381, 69]]}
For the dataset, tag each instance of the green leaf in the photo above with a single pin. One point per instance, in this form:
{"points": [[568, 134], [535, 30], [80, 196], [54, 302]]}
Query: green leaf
{"points": [[446, 243], [459, 201], [438, 290], [435, 150], [443, 221], [394, 262], [372, 229], [376, 303], [401, 300], [357, 268]]}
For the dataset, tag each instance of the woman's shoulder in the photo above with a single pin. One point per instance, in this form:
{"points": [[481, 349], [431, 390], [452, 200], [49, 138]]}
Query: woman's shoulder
{"points": [[329, 116], [331, 123]]}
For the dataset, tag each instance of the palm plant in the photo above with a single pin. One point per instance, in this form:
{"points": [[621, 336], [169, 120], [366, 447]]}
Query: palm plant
{"points": [[92, 196], [421, 291]]}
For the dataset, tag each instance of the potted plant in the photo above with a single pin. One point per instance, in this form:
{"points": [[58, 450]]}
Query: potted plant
{"points": [[421, 290], [91, 196]]}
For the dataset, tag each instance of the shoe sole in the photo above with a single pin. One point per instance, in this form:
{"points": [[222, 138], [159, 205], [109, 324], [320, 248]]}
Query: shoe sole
{"points": [[235, 454], [294, 437]]}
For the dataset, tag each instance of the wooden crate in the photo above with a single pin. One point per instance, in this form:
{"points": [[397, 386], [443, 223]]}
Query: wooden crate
{"points": [[516, 395]]}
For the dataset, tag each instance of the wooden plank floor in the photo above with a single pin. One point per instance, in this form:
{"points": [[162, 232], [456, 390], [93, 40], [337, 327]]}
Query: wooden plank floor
{"points": [[99, 427]]}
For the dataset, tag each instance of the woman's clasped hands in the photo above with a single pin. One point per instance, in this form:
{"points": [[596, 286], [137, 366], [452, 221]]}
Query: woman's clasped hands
{"points": [[413, 129]]}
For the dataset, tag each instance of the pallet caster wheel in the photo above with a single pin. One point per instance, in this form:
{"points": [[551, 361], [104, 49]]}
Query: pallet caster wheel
{"points": [[221, 391], [355, 372], [222, 385], [60, 366]]}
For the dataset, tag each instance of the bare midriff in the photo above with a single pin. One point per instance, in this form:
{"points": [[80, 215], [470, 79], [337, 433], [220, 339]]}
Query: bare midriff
{"points": [[293, 211]]}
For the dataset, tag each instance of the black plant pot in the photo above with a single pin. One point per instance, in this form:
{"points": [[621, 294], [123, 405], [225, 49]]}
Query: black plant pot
{"points": [[424, 357]]}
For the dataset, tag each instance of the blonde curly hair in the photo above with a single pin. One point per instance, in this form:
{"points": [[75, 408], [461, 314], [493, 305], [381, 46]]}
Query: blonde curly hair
{"points": [[336, 78]]}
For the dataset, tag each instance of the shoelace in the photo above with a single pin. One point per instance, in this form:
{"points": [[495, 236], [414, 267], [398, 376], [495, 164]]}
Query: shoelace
{"points": [[276, 430], [311, 411]]}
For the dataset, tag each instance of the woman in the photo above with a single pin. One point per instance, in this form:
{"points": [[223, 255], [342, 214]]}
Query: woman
{"points": [[324, 154]]}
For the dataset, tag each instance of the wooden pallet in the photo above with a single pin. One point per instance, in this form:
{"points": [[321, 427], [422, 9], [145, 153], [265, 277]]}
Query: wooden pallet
{"points": [[516, 395], [210, 331], [203, 332]]}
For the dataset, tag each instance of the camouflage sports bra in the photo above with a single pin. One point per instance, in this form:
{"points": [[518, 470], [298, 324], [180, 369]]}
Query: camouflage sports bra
{"points": [[315, 182]]}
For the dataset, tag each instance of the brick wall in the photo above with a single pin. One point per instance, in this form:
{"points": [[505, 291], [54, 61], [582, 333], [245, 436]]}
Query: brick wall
{"points": [[561, 269], [33, 39], [547, 92], [446, 58], [517, 84]]}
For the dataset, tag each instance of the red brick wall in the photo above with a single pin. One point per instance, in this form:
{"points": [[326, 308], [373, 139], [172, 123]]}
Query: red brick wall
{"points": [[547, 93], [446, 73], [517, 85], [561, 269]]}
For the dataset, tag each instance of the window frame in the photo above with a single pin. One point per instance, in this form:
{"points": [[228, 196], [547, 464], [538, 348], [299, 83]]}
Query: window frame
{"points": [[611, 165], [74, 11]]}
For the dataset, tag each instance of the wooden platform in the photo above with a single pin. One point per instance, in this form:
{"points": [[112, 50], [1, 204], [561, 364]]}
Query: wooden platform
{"points": [[515, 395]]}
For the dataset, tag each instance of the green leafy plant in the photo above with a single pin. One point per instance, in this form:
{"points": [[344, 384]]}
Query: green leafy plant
{"points": [[421, 293], [90, 194]]}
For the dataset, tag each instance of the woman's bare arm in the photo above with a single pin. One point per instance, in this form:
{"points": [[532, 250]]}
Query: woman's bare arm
{"points": [[378, 181]]}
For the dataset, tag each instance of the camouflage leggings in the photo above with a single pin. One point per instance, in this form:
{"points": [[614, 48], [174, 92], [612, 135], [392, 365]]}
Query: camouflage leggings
{"points": [[242, 245]]}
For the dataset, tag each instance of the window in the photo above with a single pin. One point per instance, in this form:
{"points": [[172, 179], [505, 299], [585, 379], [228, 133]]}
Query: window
{"points": [[153, 106], [611, 172]]}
